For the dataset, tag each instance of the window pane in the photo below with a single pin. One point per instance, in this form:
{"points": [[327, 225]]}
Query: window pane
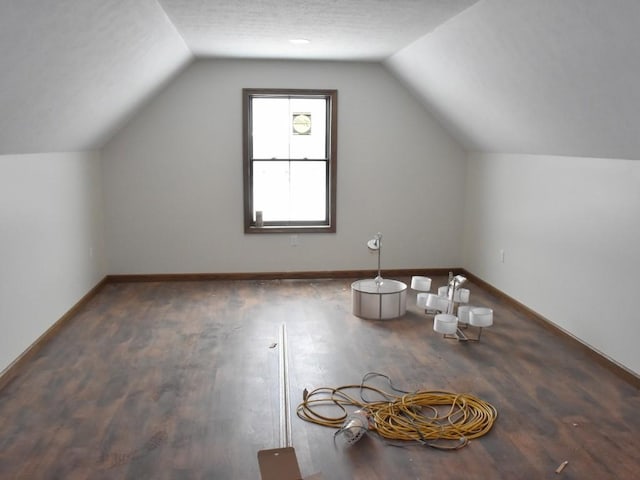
{"points": [[271, 128], [273, 132], [290, 191], [308, 191], [312, 145]]}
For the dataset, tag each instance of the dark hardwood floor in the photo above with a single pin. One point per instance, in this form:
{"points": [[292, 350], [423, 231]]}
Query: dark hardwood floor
{"points": [[179, 380]]}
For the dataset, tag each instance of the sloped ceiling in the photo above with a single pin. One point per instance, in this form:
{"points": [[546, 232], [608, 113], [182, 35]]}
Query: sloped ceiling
{"points": [[360, 30], [534, 76], [512, 76], [74, 70]]}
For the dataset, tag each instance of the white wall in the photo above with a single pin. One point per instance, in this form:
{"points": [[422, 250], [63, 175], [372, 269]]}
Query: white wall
{"points": [[173, 177], [570, 230], [50, 217]]}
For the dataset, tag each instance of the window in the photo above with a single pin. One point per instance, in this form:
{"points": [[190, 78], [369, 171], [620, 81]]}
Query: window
{"points": [[290, 145]]}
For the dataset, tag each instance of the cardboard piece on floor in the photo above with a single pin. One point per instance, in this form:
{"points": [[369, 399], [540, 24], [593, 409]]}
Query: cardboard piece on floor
{"points": [[281, 464]]}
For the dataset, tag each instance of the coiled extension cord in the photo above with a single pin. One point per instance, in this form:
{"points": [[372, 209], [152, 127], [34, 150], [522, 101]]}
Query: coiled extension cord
{"points": [[425, 417]]}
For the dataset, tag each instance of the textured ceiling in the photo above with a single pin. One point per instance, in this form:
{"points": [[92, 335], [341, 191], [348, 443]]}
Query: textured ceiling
{"points": [[510, 76], [73, 70], [534, 76], [337, 29]]}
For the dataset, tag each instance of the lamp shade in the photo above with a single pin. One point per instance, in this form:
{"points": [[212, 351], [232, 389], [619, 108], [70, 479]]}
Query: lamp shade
{"points": [[445, 323], [421, 300], [463, 313], [422, 284], [461, 295], [481, 317], [373, 244], [434, 302]]}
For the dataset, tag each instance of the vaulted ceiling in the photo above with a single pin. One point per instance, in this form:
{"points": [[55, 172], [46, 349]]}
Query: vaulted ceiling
{"points": [[534, 76], [513, 76]]}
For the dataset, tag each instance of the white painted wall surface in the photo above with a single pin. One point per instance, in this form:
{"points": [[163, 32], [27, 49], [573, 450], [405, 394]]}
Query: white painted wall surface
{"points": [[570, 231], [50, 217], [173, 177]]}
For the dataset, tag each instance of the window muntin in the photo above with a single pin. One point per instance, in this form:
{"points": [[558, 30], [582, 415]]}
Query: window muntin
{"points": [[290, 160]]}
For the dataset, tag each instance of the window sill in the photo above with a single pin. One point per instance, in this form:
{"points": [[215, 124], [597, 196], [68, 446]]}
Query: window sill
{"points": [[293, 229]]}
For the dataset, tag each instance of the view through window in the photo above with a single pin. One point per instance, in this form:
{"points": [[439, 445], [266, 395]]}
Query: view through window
{"points": [[289, 160]]}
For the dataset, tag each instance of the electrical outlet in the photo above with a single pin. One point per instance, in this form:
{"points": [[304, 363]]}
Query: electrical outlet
{"points": [[501, 255], [293, 240]]}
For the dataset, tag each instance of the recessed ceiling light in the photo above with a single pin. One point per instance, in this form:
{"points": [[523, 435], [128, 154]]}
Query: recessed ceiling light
{"points": [[299, 41]]}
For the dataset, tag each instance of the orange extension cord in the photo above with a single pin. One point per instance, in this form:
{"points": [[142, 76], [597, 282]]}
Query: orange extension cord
{"points": [[421, 416]]}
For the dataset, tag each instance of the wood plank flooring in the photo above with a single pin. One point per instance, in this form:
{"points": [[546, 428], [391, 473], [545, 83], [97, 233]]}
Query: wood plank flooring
{"points": [[179, 380]]}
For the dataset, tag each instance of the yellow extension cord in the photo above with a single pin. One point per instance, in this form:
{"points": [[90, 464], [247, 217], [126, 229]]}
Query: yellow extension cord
{"points": [[422, 416]]}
